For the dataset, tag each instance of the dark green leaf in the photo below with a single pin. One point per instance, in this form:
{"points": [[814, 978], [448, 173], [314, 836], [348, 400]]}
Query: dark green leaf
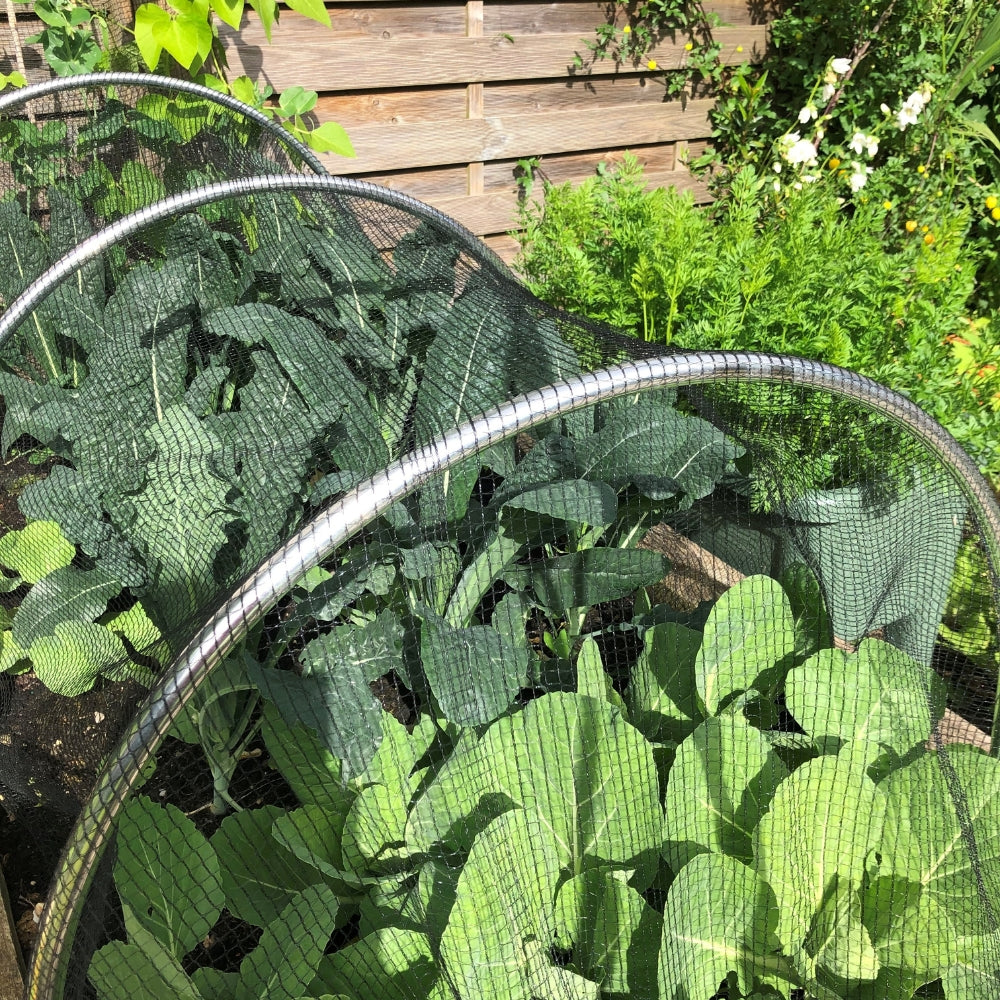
{"points": [[583, 579], [474, 673], [658, 449]]}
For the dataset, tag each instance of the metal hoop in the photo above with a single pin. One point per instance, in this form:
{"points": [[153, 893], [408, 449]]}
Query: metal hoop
{"points": [[314, 542]]}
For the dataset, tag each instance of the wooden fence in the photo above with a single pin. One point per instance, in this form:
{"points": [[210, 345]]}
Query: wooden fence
{"points": [[441, 99]]}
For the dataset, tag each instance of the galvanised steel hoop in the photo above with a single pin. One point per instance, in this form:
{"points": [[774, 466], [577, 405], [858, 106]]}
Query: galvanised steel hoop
{"points": [[317, 540], [164, 83], [93, 246]]}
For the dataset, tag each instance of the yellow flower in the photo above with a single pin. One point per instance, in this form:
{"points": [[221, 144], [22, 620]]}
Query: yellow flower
{"points": [[921, 169], [688, 46], [925, 229], [739, 48], [929, 239], [627, 30], [991, 202], [834, 163], [651, 64], [887, 205], [910, 225], [995, 213]]}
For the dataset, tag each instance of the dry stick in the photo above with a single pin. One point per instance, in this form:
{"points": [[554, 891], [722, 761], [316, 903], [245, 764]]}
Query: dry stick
{"points": [[857, 55]]}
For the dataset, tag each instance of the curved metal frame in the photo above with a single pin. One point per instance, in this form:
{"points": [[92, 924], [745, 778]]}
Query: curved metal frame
{"points": [[93, 246], [164, 83], [318, 539]]}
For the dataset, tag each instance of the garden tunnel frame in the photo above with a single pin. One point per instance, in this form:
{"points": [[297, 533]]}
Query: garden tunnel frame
{"points": [[315, 541], [14, 100], [361, 505]]}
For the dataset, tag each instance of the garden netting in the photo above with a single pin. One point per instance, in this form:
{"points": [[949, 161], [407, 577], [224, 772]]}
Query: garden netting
{"points": [[373, 630], [79, 152]]}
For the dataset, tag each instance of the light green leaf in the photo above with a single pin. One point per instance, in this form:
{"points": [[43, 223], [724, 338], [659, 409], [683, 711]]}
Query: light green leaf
{"points": [[497, 940], [313, 773], [135, 626], [285, 960], [838, 943], [722, 779], [909, 929], [126, 971], [186, 36], [314, 835], [613, 933], [823, 822], [329, 137], [877, 694], [593, 680], [577, 768], [374, 831], [474, 673], [392, 964], [975, 976], [215, 985], [661, 696], [167, 966], [168, 874], [927, 839], [584, 579], [64, 595], [69, 662], [313, 9], [750, 629], [36, 550], [719, 918], [422, 903], [229, 11], [259, 875]]}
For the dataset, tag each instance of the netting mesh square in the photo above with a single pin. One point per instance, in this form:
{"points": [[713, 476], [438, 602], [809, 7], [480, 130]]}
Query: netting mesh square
{"points": [[373, 630]]}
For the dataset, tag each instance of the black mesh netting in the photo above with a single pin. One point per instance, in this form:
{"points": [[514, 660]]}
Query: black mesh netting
{"points": [[637, 686], [79, 152]]}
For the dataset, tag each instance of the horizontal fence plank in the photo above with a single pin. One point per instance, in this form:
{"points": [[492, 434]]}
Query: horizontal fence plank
{"points": [[574, 92], [383, 147], [418, 20], [339, 64], [368, 107]]}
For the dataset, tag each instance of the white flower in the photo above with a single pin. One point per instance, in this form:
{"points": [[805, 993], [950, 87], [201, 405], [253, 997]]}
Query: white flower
{"points": [[859, 175], [907, 115], [777, 184], [840, 66], [777, 166], [885, 109], [828, 91], [864, 143], [807, 114], [913, 105], [810, 178], [801, 151]]}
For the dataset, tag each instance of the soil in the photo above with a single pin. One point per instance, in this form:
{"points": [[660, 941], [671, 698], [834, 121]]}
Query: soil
{"points": [[52, 748]]}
